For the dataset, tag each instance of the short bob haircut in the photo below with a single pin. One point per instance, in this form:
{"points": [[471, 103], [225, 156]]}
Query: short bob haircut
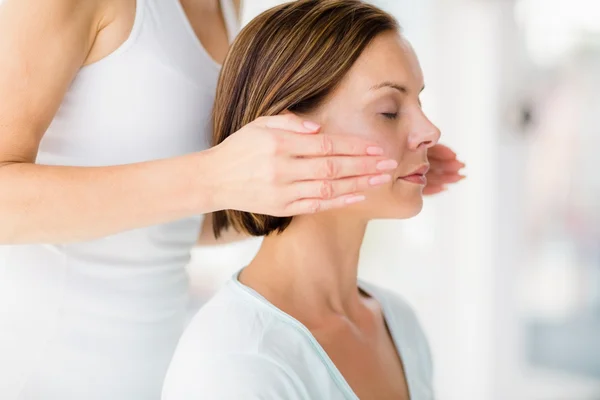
{"points": [[290, 57]]}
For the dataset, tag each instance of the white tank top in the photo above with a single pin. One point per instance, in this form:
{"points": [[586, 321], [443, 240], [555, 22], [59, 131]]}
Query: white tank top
{"points": [[100, 319]]}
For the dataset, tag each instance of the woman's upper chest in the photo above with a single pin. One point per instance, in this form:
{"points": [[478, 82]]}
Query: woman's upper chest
{"points": [[367, 360]]}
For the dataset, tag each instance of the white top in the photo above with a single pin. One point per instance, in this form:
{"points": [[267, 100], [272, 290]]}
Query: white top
{"points": [[100, 319], [240, 346]]}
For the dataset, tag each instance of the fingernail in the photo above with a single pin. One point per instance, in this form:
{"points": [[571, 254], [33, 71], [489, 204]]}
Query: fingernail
{"points": [[379, 180], [374, 151], [387, 164], [313, 126], [355, 199]]}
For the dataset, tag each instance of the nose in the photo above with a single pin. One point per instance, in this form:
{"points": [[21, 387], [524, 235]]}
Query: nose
{"points": [[424, 134]]}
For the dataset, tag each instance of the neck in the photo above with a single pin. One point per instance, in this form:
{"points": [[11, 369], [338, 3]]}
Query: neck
{"points": [[313, 263]]}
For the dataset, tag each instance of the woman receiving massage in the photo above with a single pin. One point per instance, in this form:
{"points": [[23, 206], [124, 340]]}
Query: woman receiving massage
{"points": [[297, 323]]}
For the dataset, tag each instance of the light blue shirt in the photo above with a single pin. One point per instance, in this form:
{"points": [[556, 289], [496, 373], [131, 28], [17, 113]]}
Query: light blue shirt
{"points": [[239, 346]]}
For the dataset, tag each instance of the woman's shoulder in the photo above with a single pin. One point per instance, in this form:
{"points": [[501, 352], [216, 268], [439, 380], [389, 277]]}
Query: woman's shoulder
{"points": [[228, 321], [233, 376], [227, 352], [234, 323]]}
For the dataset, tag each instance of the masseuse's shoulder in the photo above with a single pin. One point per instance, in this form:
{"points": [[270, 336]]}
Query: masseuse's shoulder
{"points": [[97, 11], [85, 14], [94, 23]]}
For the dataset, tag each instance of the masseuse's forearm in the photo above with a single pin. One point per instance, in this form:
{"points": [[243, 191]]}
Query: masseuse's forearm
{"points": [[54, 204]]}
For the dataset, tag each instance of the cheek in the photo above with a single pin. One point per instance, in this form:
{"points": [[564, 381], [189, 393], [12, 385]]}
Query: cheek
{"points": [[391, 139], [389, 134], [393, 147], [382, 132]]}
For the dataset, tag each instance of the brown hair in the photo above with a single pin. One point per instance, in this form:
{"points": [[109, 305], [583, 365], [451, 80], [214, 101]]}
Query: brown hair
{"points": [[288, 58]]}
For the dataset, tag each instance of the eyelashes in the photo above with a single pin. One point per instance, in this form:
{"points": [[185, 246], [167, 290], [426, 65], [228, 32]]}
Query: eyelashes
{"points": [[390, 116]]}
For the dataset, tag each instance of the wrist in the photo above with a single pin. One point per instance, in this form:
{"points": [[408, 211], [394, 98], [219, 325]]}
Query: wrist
{"points": [[207, 188]]}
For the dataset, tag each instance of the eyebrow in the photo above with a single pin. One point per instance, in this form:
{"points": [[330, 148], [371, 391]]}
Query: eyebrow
{"points": [[393, 85]]}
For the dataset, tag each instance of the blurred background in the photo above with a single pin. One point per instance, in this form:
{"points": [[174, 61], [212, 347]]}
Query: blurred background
{"points": [[503, 269]]}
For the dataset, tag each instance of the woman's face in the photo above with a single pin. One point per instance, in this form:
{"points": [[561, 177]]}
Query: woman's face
{"points": [[379, 99]]}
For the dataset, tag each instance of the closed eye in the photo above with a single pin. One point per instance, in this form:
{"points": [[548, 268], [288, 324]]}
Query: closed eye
{"points": [[390, 115]]}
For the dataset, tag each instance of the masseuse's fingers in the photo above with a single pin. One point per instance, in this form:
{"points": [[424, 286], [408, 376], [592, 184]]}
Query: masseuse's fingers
{"points": [[330, 189], [323, 145], [263, 161], [445, 166], [436, 183], [430, 190], [289, 168], [441, 152], [287, 122], [312, 143], [443, 179], [445, 169], [337, 167]]}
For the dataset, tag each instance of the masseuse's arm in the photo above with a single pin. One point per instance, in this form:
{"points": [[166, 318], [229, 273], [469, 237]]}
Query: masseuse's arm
{"points": [[263, 169]]}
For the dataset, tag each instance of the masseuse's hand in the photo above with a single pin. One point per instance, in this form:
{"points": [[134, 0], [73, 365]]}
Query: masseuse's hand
{"points": [[283, 166], [445, 169]]}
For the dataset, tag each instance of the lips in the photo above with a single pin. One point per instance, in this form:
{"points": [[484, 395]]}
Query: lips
{"points": [[417, 176]]}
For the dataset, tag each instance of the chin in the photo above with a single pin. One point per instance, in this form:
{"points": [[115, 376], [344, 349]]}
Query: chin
{"points": [[399, 210], [394, 204], [412, 210], [408, 204]]}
